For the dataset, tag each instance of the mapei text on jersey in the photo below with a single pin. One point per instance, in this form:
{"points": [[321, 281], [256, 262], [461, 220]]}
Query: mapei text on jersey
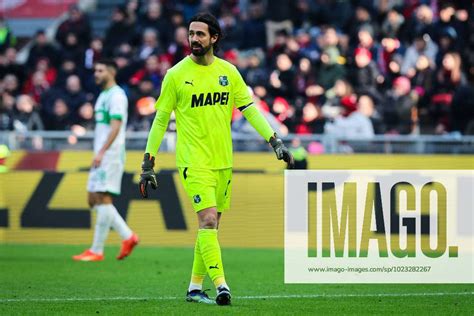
{"points": [[209, 98]]}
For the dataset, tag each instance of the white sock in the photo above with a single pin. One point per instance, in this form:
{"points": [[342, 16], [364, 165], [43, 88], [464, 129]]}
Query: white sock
{"points": [[119, 225], [194, 286], [102, 227]]}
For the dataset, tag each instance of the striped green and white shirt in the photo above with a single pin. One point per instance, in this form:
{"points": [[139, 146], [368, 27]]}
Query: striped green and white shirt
{"points": [[111, 104]]}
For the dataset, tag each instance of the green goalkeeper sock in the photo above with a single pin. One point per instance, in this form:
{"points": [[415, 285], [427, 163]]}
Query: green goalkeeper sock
{"points": [[211, 255], [199, 269]]}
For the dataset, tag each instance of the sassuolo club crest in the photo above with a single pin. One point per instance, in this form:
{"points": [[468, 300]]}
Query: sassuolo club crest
{"points": [[223, 81]]}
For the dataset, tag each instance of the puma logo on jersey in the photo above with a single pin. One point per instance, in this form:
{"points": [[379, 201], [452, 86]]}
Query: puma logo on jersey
{"points": [[189, 82], [209, 98]]}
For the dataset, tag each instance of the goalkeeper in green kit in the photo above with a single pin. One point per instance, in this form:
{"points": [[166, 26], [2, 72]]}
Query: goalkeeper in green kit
{"points": [[202, 90]]}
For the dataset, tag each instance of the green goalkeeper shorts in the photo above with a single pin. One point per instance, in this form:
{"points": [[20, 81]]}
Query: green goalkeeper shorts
{"points": [[207, 188]]}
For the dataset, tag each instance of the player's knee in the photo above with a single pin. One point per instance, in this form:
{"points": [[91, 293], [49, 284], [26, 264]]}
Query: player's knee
{"points": [[91, 200], [209, 221]]}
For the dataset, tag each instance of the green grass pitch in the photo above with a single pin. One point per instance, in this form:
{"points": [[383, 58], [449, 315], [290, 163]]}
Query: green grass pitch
{"points": [[39, 279]]}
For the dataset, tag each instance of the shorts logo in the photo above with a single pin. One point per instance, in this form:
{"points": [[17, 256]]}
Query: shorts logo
{"points": [[197, 198], [223, 81]]}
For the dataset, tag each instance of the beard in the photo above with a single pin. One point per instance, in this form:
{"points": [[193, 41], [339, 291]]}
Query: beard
{"points": [[199, 50], [100, 82]]}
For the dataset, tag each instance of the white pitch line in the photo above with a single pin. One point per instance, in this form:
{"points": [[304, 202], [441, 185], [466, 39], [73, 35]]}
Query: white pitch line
{"points": [[171, 298]]}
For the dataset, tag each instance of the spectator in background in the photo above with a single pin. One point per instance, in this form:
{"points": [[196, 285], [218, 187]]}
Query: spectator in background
{"points": [[329, 38], [337, 13], [358, 124], [83, 119], [282, 78], [446, 43], [340, 100], [232, 28], [7, 104], [7, 39], [41, 49], [293, 49], [68, 68], [365, 75], [94, 53], [44, 65], [37, 85], [131, 8], [447, 80], [144, 88], [144, 114], [82, 122], [176, 21], [120, 31], [279, 46], [361, 19], [422, 82], [392, 24], [126, 68], [422, 45], [421, 22], [365, 37], [393, 71], [390, 47], [72, 49], [448, 19], [450, 75], [26, 117], [462, 112], [398, 108], [60, 120], [151, 71], [330, 70], [255, 25], [307, 47], [180, 47], [76, 23], [153, 19], [312, 121], [9, 65], [305, 76], [150, 45], [254, 70], [11, 85], [284, 112], [74, 96], [279, 17]]}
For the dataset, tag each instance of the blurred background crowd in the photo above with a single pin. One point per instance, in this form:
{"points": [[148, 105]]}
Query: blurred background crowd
{"points": [[347, 68]]}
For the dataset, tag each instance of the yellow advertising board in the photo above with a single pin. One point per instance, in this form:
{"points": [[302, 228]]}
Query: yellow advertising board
{"points": [[38, 206]]}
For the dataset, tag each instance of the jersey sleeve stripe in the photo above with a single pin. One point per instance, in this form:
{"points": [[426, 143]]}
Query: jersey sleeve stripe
{"points": [[244, 107], [116, 117]]}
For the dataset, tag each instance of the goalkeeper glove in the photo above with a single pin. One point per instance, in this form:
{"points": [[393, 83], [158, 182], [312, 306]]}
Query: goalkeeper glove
{"points": [[148, 175], [281, 151]]}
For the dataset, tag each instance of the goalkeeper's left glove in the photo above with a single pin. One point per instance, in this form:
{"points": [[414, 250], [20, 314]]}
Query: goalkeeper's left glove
{"points": [[281, 151], [148, 175]]}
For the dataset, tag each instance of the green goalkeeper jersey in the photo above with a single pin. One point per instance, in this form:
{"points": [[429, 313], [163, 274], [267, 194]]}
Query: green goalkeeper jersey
{"points": [[203, 98]]}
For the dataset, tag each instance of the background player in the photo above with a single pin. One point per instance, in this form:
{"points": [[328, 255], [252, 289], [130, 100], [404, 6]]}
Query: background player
{"points": [[105, 177], [202, 91]]}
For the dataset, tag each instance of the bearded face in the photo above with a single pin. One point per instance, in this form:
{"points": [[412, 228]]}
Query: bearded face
{"points": [[200, 39]]}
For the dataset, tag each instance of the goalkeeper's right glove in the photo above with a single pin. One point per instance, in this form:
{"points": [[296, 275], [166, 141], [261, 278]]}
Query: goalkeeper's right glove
{"points": [[147, 175]]}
